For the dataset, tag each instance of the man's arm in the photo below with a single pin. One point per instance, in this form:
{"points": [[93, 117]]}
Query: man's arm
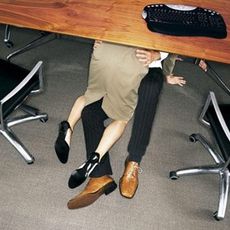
{"points": [[168, 66]]}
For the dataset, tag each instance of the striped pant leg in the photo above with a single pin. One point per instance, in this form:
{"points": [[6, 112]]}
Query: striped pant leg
{"points": [[148, 95]]}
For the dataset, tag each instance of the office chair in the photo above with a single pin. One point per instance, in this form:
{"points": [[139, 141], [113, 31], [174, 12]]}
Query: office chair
{"points": [[218, 118], [16, 84], [42, 39], [215, 76]]}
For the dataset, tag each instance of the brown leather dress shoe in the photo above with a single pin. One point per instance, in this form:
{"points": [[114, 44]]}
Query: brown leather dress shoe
{"points": [[93, 190], [129, 180]]}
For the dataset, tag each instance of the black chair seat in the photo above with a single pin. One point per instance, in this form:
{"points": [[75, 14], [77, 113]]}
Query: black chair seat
{"points": [[220, 136], [10, 76]]}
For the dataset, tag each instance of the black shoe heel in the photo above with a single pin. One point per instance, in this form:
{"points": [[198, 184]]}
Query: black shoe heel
{"points": [[111, 187], [61, 147], [79, 175]]}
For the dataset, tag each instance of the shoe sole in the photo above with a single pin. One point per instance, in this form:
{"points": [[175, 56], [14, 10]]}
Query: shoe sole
{"points": [[62, 151], [90, 198], [61, 146]]}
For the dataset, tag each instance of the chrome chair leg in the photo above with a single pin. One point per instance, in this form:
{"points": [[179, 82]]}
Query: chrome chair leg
{"points": [[43, 117], [203, 141], [31, 115], [12, 138], [223, 194], [205, 169], [33, 44]]}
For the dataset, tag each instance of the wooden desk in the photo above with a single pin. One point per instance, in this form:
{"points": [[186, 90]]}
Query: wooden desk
{"points": [[116, 21]]}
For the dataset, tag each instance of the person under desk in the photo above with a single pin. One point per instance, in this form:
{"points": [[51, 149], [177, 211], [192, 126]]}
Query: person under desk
{"points": [[98, 158]]}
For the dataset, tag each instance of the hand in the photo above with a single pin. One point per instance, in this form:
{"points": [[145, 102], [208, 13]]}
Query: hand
{"points": [[147, 56], [203, 65], [175, 80], [179, 59], [97, 43]]}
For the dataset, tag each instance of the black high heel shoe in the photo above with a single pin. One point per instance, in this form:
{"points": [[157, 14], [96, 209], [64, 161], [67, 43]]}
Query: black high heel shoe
{"points": [[79, 175], [61, 146]]}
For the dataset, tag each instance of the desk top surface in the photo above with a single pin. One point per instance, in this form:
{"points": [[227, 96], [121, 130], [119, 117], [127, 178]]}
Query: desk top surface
{"points": [[116, 21]]}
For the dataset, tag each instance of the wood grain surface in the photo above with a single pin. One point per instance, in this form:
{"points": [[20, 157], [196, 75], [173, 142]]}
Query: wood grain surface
{"points": [[115, 21]]}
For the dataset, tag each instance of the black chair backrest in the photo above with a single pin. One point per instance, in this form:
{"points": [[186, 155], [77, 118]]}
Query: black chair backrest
{"points": [[220, 135], [11, 76]]}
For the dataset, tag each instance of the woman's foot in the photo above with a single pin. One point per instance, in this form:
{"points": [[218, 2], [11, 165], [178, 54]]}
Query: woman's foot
{"points": [[62, 142], [79, 175]]}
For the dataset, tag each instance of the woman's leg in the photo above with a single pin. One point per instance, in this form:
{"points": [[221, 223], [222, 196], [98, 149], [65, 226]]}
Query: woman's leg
{"points": [[93, 132], [110, 136], [74, 116], [100, 182], [62, 142]]}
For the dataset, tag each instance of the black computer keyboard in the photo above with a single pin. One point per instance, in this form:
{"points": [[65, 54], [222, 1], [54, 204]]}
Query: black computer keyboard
{"points": [[181, 20]]}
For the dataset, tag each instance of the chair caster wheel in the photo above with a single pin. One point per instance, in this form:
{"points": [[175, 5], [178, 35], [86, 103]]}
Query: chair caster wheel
{"points": [[9, 44], [173, 175], [44, 120], [215, 216], [31, 161], [193, 138]]}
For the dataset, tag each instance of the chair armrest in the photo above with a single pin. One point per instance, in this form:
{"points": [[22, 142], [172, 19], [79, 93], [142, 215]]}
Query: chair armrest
{"points": [[212, 99], [37, 67]]}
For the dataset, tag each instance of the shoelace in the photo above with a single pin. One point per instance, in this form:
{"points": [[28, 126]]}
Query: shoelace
{"points": [[135, 168], [140, 170]]}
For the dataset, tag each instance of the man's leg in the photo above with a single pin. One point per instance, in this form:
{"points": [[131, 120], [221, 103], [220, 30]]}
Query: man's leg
{"points": [[148, 95], [93, 118]]}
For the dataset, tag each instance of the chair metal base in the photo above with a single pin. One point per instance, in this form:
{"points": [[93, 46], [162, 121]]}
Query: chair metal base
{"points": [[217, 168], [42, 39], [31, 115], [33, 44]]}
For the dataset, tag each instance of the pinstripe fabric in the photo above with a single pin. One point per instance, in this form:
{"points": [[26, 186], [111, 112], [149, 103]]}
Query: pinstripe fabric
{"points": [[149, 92]]}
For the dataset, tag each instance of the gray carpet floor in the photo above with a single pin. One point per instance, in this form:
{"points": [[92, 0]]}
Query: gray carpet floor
{"points": [[34, 197]]}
